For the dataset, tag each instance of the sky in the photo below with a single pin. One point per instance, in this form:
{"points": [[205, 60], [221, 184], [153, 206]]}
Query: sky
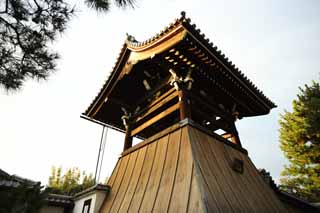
{"points": [[276, 44]]}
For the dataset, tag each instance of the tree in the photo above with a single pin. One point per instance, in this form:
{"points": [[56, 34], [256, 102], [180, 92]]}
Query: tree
{"points": [[18, 194], [300, 142], [27, 27], [72, 182], [23, 198]]}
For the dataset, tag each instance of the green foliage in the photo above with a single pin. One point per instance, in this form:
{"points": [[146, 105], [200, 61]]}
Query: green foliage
{"points": [[26, 29], [72, 182], [300, 142], [22, 199]]}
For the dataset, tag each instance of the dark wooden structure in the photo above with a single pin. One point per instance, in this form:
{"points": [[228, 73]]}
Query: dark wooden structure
{"points": [[175, 75], [182, 95]]}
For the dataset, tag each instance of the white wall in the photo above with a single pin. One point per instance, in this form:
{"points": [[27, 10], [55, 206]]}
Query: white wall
{"points": [[96, 197], [78, 203], [100, 195]]}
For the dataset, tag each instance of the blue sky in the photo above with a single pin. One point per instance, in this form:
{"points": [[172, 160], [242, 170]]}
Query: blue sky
{"points": [[276, 44]]}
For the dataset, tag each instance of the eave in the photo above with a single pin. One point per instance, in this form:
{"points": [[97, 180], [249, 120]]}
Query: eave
{"points": [[181, 30]]}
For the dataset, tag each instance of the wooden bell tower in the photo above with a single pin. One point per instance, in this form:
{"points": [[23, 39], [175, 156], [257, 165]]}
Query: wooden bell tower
{"points": [[180, 94]]}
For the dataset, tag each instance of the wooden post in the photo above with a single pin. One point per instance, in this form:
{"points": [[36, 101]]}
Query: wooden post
{"points": [[126, 119], [235, 139], [185, 111], [128, 138]]}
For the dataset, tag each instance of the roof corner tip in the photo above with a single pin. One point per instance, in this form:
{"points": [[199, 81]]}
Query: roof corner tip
{"points": [[130, 39], [183, 17], [183, 14]]}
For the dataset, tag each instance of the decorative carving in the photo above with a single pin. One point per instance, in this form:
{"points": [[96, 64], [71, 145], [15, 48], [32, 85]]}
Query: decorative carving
{"points": [[177, 81], [126, 117]]}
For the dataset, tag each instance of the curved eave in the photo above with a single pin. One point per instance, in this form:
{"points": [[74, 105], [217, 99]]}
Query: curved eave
{"points": [[233, 70], [130, 54], [101, 97], [163, 35]]}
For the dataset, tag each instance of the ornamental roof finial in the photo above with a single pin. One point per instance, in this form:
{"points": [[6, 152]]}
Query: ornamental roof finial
{"points": [[183, 14], [131, 38]]}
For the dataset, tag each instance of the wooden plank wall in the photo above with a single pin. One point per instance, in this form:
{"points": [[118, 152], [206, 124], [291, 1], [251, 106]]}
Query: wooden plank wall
{"points": [[158, 177], [227, 190], [187, 170]]}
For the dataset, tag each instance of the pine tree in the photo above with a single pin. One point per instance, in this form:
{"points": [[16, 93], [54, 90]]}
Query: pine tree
{"points": [[300, 142], [27, 28]]}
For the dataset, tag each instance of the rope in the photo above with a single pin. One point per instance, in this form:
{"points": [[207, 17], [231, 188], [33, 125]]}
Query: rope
{"points": [[103, 149]]}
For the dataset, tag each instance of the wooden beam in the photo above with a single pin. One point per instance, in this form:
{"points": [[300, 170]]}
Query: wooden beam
{"points": [[209, 105], [233, 136], [155, 119], [218, 123], [157, 106], [164, 95], [230, 136], [154, 102], [120, 103], [161, 85]]}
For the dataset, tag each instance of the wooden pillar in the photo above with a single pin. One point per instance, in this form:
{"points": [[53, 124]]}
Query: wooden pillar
{"points": [[126, 118], [235, 138], [128, 138], [185, 111]]}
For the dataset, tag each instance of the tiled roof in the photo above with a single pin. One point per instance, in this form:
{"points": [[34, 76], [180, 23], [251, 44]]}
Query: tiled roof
{"points": [[59, 200], [7, 180], [3, 174], [131, 45], [186, 23], [97, 187]]}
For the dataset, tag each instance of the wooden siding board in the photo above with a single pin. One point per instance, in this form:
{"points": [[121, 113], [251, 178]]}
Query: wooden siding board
{"points": [[262, 199], [252, 193], [212, 174], [195, 202], [111, 182], [134, 180], [117, 184], [267, 194], [212, 193], [211, 149], [155, 177], [125, 183], [143, 180], [114, 173], [210, 202], [231, 176], [167, 180], [181, 187], [187, 170]]}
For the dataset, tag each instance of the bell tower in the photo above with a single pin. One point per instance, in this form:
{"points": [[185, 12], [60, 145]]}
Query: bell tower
{"points": [[182, 96]]}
